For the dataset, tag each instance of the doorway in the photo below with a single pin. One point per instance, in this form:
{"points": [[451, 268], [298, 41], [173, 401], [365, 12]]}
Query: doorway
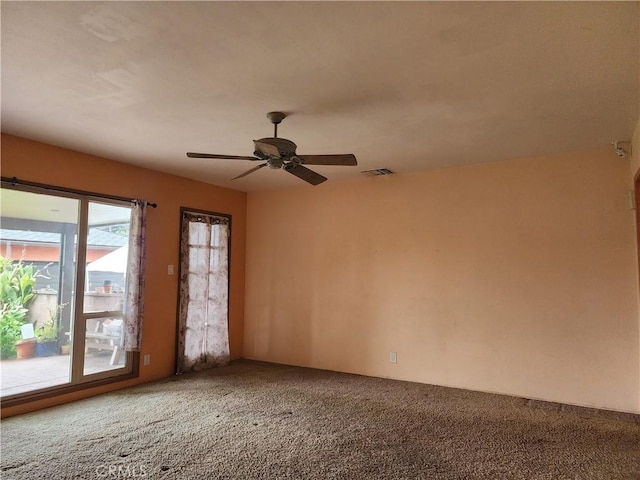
{"points": [[203, 311]]}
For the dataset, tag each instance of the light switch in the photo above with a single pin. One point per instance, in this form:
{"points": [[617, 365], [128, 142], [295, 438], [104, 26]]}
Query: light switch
{"points": [[170, 269]]}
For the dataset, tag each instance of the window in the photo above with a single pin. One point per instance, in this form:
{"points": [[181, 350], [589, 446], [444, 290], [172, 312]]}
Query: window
{"points": [[62, 319]]}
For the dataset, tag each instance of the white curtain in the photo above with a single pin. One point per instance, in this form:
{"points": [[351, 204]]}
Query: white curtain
{"points": [[203, 340], [133, 295]]}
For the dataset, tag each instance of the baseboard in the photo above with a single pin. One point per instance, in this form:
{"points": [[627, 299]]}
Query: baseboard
{"points": [[583, 411]]}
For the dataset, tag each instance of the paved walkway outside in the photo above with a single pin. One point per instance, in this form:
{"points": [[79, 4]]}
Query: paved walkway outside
{"points": [[24, 375]]}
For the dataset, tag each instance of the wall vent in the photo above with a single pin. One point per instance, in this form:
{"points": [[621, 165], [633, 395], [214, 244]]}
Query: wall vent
{"points": [[378, 171]]}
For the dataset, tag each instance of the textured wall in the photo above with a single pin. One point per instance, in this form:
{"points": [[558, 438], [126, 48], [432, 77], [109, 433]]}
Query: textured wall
{"points": [[517, 277]]}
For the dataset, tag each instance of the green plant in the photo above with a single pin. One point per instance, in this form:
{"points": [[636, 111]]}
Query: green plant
{"points": [[54, 312], [10, 329], [47, 332], [17, 282]]}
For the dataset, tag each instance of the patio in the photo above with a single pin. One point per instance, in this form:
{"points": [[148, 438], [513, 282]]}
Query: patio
{"points": [[28, 374]]}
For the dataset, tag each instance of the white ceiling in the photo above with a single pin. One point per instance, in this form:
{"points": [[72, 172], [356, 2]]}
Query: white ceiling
{"points": [[408, 86]]}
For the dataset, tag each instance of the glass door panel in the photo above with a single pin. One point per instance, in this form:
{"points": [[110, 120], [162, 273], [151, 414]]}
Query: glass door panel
{"points": [[38, 251], [105, 283]]}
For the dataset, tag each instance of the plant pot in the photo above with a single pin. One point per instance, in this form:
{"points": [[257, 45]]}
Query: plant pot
{"points": [[46, 349], [26, 348], [65, 349]]}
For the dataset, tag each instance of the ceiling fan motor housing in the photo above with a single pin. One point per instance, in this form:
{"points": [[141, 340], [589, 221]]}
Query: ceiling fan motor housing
{"points": [[286, 147]]}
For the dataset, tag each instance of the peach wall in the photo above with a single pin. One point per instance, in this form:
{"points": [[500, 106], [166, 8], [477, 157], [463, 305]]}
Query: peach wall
{"points": [[516, 277], [635, 159], [635, 151], [37, 162], [635, 173]]}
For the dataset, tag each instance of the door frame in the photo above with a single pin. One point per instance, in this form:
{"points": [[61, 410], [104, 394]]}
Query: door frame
{"points": [[636, 204]]}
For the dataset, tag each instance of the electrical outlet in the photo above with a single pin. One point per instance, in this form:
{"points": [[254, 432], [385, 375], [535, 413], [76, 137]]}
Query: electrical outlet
{"points": [[393, 357], [146, 360]]}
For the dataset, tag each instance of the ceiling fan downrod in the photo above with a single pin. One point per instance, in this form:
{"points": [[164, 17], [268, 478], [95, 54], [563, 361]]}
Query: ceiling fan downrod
{"points": [[276, 118]]}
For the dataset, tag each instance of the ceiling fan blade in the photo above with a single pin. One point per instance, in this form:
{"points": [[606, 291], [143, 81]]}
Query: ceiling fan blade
{"points": [[224, 157], [305, 174], [267, 148], [346, 159], [251, 170]]}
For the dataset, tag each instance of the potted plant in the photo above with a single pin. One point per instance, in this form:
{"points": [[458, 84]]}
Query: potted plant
{"points": [[26, 348], [47, 339], [47, 333], [65, 349]]}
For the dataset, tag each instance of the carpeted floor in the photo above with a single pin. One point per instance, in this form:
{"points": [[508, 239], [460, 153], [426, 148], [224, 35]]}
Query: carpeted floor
{"points": [[255, 420]]}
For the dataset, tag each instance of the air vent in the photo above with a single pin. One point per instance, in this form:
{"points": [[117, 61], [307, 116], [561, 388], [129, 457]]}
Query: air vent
{"points": [[378, 171]]}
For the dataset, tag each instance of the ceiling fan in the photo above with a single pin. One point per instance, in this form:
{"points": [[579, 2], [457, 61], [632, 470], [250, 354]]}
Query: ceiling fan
{"points": [[281, 153]]}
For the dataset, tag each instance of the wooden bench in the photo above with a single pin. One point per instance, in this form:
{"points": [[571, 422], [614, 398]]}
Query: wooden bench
{"points": [[102, 341], [97, 340]]}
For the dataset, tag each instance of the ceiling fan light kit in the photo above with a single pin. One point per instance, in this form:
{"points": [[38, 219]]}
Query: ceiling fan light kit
{"points": [[280, 153]]}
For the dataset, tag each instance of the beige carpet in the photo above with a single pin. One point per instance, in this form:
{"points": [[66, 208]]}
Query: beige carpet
{"points": [[254, 420]]}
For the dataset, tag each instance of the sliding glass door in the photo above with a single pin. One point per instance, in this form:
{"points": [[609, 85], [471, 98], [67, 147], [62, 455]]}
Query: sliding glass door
{"points": [[62, 319]]}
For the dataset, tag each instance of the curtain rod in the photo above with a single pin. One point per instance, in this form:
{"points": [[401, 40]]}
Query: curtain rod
{"points": [[16, 181]]}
